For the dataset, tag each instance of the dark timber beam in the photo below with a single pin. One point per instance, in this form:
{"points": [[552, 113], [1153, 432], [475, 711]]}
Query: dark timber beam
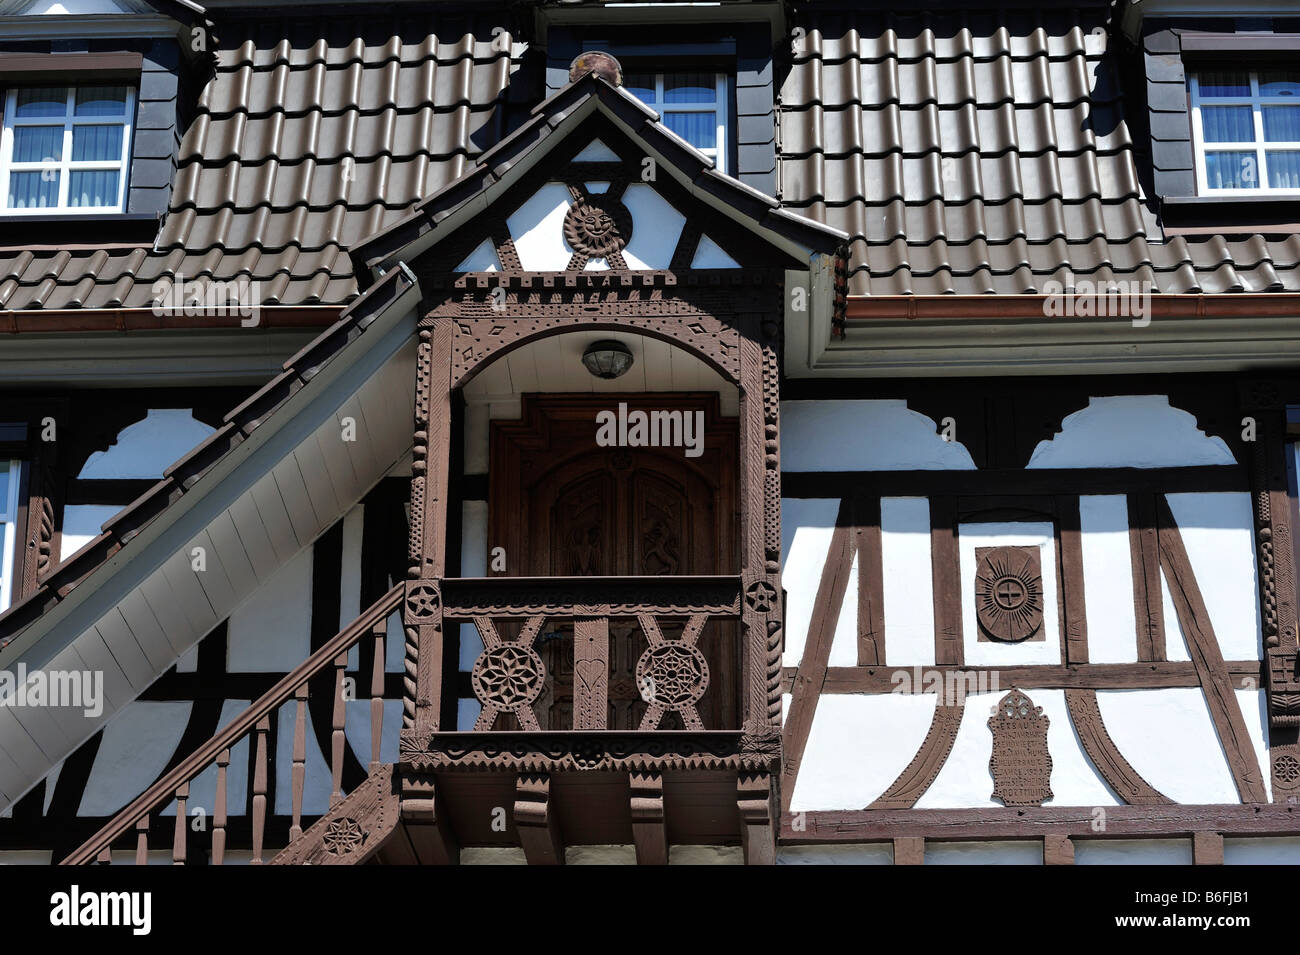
{"points": [[539, 830], [648, 830], [427, 827]]}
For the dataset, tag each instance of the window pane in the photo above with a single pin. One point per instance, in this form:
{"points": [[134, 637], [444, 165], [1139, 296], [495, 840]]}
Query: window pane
{"points": [[690, 88], [1279, 83], [41, 103], [4, 492], [1225, 83], [38, 143], [100, 101], [1281, 124], [33, 190], [96, 143], [1228, 124], [1232, 170], [698, 129], [640, 85], [97, 188], [1284, 170]]}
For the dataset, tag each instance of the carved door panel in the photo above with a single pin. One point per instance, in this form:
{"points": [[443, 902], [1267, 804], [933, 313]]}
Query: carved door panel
{"points": [[566, 507]]}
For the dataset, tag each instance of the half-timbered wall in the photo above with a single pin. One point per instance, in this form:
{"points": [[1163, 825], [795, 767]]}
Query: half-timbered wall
{"points": [[1125, 512]]}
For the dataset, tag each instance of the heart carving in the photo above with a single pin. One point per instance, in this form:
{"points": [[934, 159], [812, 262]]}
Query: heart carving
{"points": [[590, 672]]}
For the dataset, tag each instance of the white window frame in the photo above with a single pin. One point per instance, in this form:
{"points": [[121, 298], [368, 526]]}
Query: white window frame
{"points": [[1256, 101], [9, 533], [65, 164], [720, 107]]}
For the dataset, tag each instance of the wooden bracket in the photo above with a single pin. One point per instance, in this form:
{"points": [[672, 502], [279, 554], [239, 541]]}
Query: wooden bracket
{"points": [[539, 830], [648, 830]]}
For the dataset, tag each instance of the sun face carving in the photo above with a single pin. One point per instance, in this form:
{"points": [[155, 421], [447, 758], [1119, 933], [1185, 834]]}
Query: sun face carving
{"points": [[598, 226], [1008, 593]]}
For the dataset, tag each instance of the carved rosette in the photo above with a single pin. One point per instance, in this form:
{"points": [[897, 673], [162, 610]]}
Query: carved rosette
{"points": [[598, 226], [673, 675], [1008, 593], [343, 837], [508, 676], [1020, 764]]}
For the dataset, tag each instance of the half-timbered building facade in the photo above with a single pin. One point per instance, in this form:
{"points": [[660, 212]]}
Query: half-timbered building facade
{"points": [[573, 432]]}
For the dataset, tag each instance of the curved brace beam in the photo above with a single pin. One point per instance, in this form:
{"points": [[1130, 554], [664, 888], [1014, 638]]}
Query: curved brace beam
{"points": [[1119, 774], [354, 830], [913, 781]]}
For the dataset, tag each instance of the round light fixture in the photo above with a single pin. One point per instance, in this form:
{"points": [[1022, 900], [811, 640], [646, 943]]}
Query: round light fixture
{"points": [[607, 358]]}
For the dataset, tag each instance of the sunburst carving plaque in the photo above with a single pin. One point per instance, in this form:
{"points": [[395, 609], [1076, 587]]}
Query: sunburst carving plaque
{"points": [[1009, 593]]}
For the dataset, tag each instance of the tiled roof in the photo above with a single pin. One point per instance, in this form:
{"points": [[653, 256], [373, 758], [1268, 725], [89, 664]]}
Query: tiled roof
{"points": [[311, 135], [977, 152]]}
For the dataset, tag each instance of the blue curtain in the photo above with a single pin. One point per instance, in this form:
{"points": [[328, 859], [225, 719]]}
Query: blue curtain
{"points": [[1281, 124], [97, 188], [1284, 170], [698, 129], [1228, 124], [33, 190], [96, 143], [38, 143], [690, 88], [41, 103], [1232, 170], [1224, 83], [100, 101]]}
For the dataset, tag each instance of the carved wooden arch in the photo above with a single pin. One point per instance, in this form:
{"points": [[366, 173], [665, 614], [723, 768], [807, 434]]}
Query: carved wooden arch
{"points": [[478, 342]]}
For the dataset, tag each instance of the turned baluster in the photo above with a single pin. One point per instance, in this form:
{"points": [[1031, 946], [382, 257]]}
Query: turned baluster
{"points": [[219, 811], [377, 694], [142, 840], [178, 840], [259, 788], [299, 758], [338, 735]]}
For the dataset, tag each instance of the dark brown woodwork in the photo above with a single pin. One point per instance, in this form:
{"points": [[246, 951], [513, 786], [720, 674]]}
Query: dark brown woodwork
{"points": [[1015, 482], [909, 850], [1144, 549], [871, 575], [649, 833], [1098, 676], [946, 574], [1119, 774], [536, 821], [811, 675], [754, 802], [1207, 848], [1021, 765], [1069, 541], [1009, 594], [353, 830], [1057, 850], [424, 817], [1203, 646]]}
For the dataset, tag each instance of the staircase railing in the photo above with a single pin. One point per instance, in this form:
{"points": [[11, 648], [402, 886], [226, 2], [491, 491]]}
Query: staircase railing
{"points": [[255, 723]]}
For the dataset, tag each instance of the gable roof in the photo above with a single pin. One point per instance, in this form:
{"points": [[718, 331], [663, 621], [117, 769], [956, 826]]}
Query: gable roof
{"points": [[989, 151], [310, 135], [553, 120]]}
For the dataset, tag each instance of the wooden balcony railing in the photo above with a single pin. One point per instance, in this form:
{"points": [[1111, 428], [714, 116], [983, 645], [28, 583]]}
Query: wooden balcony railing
{"points": [[255, 724], [622, 650]]}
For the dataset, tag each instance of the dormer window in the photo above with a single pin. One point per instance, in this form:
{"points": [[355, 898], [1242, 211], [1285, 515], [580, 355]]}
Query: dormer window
{"points": [[1246, 127], [65, 149], [692, 105]]}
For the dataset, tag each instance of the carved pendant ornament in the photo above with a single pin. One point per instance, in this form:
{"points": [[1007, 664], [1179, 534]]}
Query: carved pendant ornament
{"points": [[598, 226], [1020, 764], [1008, 593]]}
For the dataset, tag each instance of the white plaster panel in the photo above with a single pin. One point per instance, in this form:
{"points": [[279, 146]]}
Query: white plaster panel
{"points": [[965, 781], [81, 524], [1254, 711], [270, 632], [1175, 642], [1278, 850], [148, 447], [871, 435], [537, 228], [596, 151], [1129, 431], [867, 853], [656, 226], [807, 526], [1010, 534], [1107, 578], [483, 258], [1168, 737], [1009, 852], [909, 580], [1132, 851], [709, 255], [135, 749], [844, 643], [1218, 533], [857, 746]]}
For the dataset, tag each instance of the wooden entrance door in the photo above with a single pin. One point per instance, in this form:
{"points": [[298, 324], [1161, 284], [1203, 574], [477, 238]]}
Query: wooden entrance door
{"points": [[564, 506]]}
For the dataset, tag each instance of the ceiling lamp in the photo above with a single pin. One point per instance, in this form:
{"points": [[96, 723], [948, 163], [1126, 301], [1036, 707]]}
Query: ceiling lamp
{"points": [[607, 359]]}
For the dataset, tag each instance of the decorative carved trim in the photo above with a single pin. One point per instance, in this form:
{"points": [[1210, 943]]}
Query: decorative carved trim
{"points": [[913, 781], [466, 598], [1009, 593], [354, 830], [1020, 764], [551, 752], [1119, 774], [1283, 689]]}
